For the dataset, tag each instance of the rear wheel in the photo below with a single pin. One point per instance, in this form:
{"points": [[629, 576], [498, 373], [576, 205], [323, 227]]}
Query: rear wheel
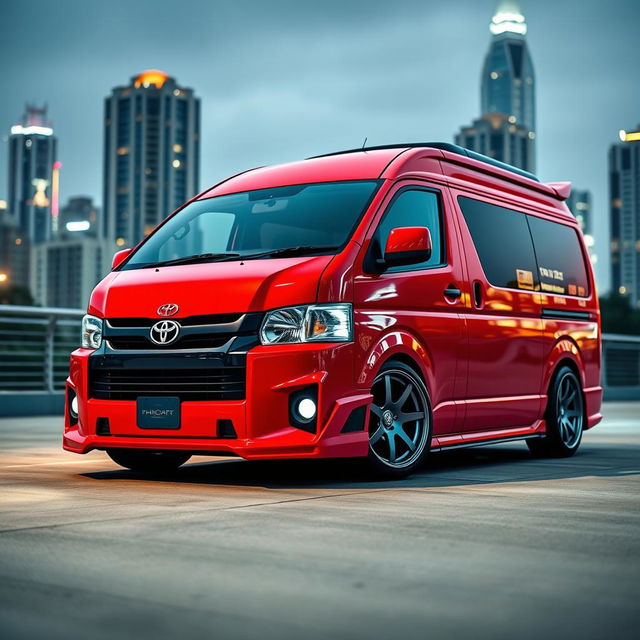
{"points": [[399, 421], [148, 461], [564, 417]]}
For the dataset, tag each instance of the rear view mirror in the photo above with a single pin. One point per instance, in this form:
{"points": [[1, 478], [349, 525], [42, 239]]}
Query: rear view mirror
{"points": [[119, 257], [407, 245]]}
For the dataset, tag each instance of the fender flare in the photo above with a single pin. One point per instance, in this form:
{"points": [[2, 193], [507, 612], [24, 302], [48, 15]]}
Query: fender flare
{"points": [[565, 348], [397, 342]]}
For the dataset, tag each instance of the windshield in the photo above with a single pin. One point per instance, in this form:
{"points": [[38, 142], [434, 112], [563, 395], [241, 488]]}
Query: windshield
{"points": [[300, 220]]}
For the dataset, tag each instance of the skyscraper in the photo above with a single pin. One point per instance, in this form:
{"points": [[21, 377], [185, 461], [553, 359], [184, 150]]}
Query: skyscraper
{"points": [[580, 204], [78, 218], [624, 192], [32, 182], [151, 155], [498, 136], [506, 127], [508, 83], [32, 155], [64, 272]]}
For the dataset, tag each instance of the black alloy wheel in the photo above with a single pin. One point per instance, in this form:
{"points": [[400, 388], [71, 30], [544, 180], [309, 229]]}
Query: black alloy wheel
{"points": [[399, 421], [565, 417]]}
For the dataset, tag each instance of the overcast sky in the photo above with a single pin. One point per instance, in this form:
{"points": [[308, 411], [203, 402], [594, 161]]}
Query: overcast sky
{"points": [[281, 80]]}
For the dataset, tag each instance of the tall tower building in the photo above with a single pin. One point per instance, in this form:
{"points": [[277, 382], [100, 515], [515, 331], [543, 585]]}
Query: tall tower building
{"points": [[580, 204], [624, 191], [508, 83], [151, 155], [498, 136], [32, 155], [506, 127]]}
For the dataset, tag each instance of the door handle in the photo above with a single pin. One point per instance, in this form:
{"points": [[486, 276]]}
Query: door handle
{"points": [[477, 294], [452, 292]]}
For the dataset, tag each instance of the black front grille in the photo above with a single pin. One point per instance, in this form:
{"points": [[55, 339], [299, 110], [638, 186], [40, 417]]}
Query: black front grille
{"points": [[217, 383], [196, 332]]}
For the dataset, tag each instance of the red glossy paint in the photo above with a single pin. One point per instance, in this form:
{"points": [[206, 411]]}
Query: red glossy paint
{"points": [[404, 239], [119, 257], [487, 367]]}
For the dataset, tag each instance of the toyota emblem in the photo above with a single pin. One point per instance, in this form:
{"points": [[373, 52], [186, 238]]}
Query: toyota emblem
{"points": [[164, 332], [167, 310]]}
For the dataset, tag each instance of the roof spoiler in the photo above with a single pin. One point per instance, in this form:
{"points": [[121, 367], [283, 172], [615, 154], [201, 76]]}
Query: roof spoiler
{"points": [[562, 189]]}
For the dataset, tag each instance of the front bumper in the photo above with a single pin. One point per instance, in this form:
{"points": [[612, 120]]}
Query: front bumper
{"points": [[261, 420]]}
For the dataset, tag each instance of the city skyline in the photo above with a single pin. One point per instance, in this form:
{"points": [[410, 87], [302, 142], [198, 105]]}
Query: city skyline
{"points": [[261, 104]]}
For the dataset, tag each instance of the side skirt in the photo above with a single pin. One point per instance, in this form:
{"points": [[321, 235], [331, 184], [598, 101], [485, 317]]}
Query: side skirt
{"points": [[486, 443]]}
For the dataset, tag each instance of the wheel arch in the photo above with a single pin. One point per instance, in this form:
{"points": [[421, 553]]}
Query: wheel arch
{"points": [[403, 347], [564, 352]]}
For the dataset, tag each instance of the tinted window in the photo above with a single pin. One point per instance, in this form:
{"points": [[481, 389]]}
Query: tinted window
{"points": [[414, 208], [560, 259], [321, 215], [503, 242]]}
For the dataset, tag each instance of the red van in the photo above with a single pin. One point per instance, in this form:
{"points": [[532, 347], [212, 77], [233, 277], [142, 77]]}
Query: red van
{"points": [[378, 303]]}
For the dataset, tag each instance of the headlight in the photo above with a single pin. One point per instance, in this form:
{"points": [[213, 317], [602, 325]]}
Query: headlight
{"points": [[309, 323], [91, 332]]}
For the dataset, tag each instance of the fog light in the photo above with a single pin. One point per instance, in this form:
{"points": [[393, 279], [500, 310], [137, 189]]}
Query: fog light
{"points": [[74, 406], [306, 408], [303, 408]]}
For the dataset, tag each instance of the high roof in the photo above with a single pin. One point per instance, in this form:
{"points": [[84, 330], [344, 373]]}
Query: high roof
{"points": [[433, 160]]}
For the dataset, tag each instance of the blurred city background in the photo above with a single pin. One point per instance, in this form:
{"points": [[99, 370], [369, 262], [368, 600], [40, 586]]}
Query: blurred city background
{"points": [[115, 114]]}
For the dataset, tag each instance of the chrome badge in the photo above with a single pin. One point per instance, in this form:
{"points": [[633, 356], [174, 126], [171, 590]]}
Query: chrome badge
{"points": [[164, 332], [167, 310]]}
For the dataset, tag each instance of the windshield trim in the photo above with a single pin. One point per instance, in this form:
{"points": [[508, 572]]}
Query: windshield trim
{"points": [[377, 181]]}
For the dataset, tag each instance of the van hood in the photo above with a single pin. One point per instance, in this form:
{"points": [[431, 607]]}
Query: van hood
{"points": [[217, 287]]}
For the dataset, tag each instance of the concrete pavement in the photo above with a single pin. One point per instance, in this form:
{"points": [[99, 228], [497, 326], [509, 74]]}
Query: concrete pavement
{"points": [[485, 543]]}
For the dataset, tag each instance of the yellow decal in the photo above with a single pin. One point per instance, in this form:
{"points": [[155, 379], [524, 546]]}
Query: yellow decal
{"points": [[525, 279]]}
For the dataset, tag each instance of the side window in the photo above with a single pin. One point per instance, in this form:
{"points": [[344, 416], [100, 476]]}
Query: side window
{"points": [[560, 258], [414, 208], [503, 242]]}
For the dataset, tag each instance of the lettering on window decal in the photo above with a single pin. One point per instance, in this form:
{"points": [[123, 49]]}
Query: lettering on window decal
{"points": [[572, 289], [551, 288], [553, 274]]}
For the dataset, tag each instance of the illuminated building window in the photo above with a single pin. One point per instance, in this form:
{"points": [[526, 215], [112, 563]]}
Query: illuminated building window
{"points": [[494, 75], [122, 151], [121, 242], [176, 164], [177, 148]]}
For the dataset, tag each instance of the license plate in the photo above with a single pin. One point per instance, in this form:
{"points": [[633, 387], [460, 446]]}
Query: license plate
{"points": [[158, 413]]}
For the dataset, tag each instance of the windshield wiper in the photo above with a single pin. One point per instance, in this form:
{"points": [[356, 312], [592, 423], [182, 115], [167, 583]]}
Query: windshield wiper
{"points": [[203, 257], [287, 251]]}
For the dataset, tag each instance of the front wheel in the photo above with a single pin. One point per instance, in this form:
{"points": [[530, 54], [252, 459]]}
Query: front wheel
{"points": [[148, 461], [399, 421], [564, 417]]}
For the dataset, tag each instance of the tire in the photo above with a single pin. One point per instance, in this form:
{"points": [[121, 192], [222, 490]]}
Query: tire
{"points": [[148, 461], [565, 417], [399, 421]]}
